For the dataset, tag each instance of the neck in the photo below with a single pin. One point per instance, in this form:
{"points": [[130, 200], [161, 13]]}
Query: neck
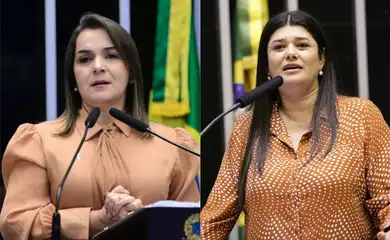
{"points": [[105, 119], [299, 108]]}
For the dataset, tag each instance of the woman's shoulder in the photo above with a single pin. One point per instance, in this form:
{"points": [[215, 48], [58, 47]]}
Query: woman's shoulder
{"points": [[242, 124], [361, 109], [162, 129], [180, 134], [26, 144], [37, 130], [244, 118], [355, 104], [49, 127]]}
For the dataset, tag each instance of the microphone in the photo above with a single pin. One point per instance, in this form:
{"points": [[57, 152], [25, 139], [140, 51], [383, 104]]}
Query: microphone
{"points": [[56, 220], [249, 98], [142, 127]]}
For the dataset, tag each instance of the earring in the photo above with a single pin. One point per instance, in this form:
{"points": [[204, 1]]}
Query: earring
{"points": [[75, 89], [269, 77], [320, 73]]}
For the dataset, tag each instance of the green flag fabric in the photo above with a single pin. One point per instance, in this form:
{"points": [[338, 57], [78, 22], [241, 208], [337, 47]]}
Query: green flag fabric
{"points": [[175, 96]]}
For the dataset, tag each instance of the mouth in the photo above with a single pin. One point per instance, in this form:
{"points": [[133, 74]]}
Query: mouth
{"points": [[291, 67], [100, 83]]}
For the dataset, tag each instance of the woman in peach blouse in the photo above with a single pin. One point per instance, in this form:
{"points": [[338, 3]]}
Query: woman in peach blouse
{"points": [[118, 170], [304, 162]]}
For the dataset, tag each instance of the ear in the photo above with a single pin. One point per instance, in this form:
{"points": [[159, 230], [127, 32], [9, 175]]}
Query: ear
{"points": [[322, 59]]}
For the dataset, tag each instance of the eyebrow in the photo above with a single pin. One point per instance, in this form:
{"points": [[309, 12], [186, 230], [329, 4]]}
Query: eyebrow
{"points": [[88, 51], [296, 38]]}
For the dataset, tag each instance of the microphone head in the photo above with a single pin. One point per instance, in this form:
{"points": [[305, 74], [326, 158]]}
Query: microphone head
{"points": [[259, 91], [92, 117], [129, 120]]}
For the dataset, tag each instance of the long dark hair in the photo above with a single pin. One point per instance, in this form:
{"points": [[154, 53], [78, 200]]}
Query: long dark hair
{"points": [[262, 109], [127, 49]]}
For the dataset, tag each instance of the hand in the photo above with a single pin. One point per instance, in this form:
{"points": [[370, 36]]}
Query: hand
{"points": [[383, 236], [118, 203]]}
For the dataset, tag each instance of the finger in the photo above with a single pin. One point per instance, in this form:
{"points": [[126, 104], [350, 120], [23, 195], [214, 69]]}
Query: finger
{"points": [[117, 189], [123, 201], [116, 218], [136, 204], [109, 203], [120, 189], [122, 214], [108, 206]]}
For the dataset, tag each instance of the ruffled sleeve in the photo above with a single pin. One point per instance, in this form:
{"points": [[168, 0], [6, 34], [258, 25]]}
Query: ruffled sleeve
{"points": [[183, 185], [27, 210]]}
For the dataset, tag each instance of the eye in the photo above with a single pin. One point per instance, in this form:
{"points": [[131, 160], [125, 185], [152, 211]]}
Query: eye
{"points": [[112, 56], [303, 45], [84, 59], [278, 47]]}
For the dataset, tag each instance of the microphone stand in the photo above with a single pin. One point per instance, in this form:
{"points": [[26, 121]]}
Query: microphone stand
{"points": [[56, 220], [232, 108], [177, 145]]}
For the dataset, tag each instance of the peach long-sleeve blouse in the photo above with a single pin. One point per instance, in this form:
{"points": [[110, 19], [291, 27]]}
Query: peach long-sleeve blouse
{"points": [[345, 195], [35, 161]]}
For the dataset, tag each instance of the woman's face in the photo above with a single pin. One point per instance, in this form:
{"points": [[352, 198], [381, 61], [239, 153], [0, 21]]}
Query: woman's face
{"points": [[293, 54], [101, 75]]}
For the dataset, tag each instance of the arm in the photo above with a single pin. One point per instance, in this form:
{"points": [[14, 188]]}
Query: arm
{"points": [[377, 157], [221, 211], [27, 210], [183, 185], [96, 222]]}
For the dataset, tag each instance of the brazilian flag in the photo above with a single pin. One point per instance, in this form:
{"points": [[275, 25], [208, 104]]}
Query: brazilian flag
{"points": [[175, 95], [249, 19]]}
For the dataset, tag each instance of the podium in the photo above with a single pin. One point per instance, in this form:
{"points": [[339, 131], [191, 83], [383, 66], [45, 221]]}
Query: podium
{"points": [[162, 220]]}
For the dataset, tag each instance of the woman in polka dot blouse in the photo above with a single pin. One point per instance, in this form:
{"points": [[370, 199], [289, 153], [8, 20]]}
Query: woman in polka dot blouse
{"points": [[305, 162]]}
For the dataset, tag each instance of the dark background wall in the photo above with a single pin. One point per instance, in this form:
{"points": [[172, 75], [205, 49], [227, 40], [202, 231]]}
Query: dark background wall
{"points": [[339, 28], [378, 33], [211, 100]]}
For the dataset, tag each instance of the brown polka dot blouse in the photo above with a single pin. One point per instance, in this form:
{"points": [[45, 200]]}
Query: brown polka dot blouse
{"points": [[345, 195]]}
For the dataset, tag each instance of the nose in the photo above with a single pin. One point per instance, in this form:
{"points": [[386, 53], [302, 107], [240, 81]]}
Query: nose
{"points": [[291, 52], [98, 65]]}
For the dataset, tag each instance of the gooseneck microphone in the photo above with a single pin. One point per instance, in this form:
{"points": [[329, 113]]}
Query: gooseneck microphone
{"points": [[56, 221], [249, 98], [142, 127]]}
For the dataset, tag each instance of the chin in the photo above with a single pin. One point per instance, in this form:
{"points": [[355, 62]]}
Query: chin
{"points": [[293, 78], [101, 102], [290, 79]]}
